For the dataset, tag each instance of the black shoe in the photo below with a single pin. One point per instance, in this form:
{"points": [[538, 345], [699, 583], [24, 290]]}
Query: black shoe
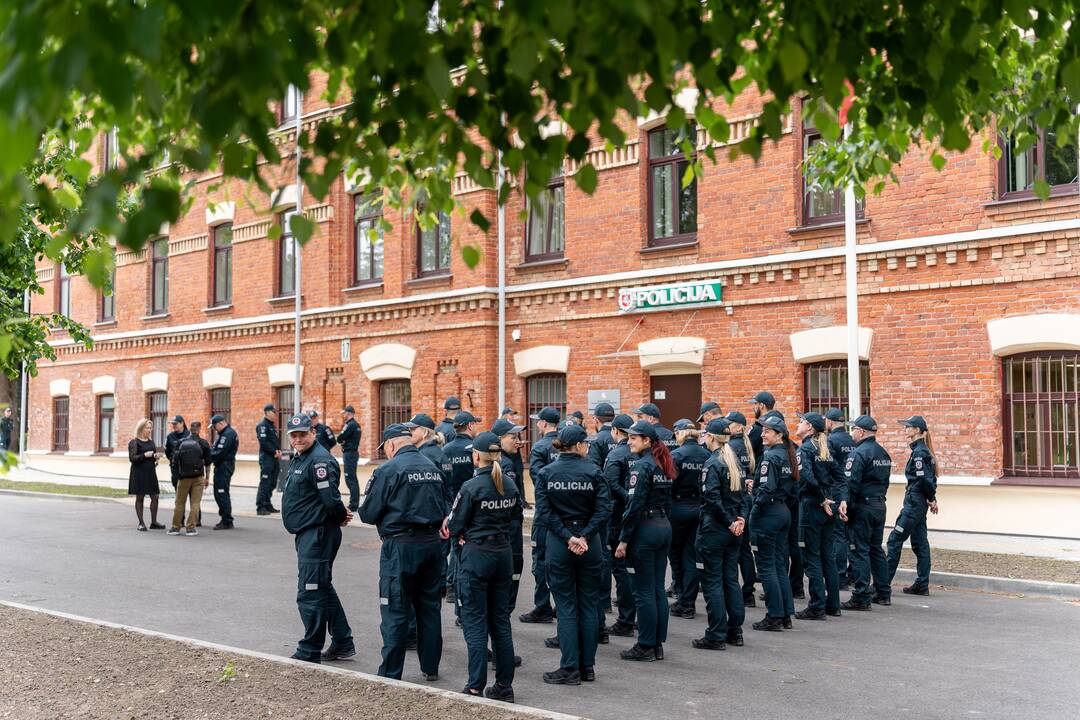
{"points": [[605, 637], [639, 653], [562, 676], [263, 511], [431, 677], [332, 654], [810, 615], [410, 643], [798, 594], [749, 601], [552, 642], [156, 526], [498, 692], [832, 613], [769, 624], [682, 612], [735, 638], [537, 615], [879, 600], [620, 629], [472, 691], [273, 509], [704, 644], [658, 651], [315, 660], [787, 622], [588, 674], [852, 605], [451, 596], [912, 590], [141, 528], [223, 526]]}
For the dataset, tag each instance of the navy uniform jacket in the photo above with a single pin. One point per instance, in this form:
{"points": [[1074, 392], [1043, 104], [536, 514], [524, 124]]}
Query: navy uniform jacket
{"points": [[776, 479], [459, 453], [689, 460], [571, 489], [310, 497], [513, 469], [867, 471], [404, 493], [601, 445], [269, 442], [172, 442], [738, 444], [755, 433], [435, 454], [921, 472], [542, 454], [617, 476], [666, 436], [720, 505], [224, 451], [841, 444], [349, 439], [815, 474], [512, 463], [325, 436], [648, 489], [479, 510], [446, 429]]}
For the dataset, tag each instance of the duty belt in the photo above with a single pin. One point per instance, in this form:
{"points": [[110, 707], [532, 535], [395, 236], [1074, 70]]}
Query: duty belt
{"points": [[568, 524], [874, 498], [656, 512], [418, 531], [493, 538]]}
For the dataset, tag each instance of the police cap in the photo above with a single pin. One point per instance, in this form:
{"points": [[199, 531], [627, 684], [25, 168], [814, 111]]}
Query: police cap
{"points": [[604, 410], [765, 398], [297, 423], [485, 442], [177, 419], [718, 426], [269, 407], [834, 414], [505, 427], [547, 414], [736, 417], [348, 409], [421, 420], [915, 421], [622, 422], [452, 403], [775, 423], [571, 435], [643, 428], [313, 413], [463, 418], [706, 407], [816, 420], [649, 409], [397, 430], [865, 422], [216, 419], [508, 411], [683, 424]]}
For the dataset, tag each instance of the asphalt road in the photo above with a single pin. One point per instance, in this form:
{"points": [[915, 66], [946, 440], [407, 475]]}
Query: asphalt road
{"points": [[951, 655]]}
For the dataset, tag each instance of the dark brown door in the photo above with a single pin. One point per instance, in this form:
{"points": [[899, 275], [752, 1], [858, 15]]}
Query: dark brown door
{"points": [[677, 396]]}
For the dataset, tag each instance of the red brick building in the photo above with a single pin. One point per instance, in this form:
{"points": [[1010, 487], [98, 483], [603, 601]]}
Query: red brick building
{"points": [[969, 311]]}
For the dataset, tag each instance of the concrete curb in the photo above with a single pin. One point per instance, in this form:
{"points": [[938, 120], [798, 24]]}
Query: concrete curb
{"points": [[62, 496], [400, 684], [1011, 586]]}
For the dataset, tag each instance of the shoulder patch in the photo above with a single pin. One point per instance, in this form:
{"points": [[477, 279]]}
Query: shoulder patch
{"points": [[764, 467], [850, 462], [918, 463], [320, 472]]}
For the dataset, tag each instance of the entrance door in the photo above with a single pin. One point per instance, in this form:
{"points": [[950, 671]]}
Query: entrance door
{"points": [[677, 396]]}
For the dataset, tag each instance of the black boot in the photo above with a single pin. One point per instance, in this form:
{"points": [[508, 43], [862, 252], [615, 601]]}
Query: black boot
{"points": [[562, 676], [912, 590], [639, 653], [705, 644], [734, 637], [498, 692], [769, 624]]}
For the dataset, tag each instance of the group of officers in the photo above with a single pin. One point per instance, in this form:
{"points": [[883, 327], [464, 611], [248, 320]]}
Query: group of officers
{"points": [[716, 498]]}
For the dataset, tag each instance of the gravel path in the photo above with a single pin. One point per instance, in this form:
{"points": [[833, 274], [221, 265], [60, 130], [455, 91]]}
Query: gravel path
{"points": [[52, 668]]}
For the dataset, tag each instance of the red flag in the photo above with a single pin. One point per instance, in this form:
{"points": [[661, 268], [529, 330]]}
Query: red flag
{"points": [[847, 102]]}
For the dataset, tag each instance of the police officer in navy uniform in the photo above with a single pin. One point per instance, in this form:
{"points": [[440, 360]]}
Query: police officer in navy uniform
{"points": [[323, 433], [617, 477], [840, 446], [816, 518], [776, 480], [650, 413], [269, 460], [452, 406], [645, 537], [601, 443], [459, 452], [349, 439], [572, 505], [689, 459], [405, 500], [724, 508], [223, 455], [484, 515], [919, 496], [740, 443], [543, 453], [314, 514], [764, 405], [709, 411], [513, 468], [867, 471]]}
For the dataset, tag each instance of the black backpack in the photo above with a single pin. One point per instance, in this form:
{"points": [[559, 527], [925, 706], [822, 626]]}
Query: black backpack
{"points": [[189, 458]]}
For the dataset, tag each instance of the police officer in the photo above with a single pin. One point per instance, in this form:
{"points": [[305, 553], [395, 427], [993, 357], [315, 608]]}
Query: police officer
{"points": [[920, 495], [744, 450], [513, 468], [314, 514], [724, 508], [763, 405], [223, 455], [542, 453], [709, 411], [572, 504], [867, 470], [509, 414], [459, 453], [776, 478], [601, 443], [452, 406], [485, 513], [269, 460], [816, 518], [405, 500], [689, 459], [323, 433], [645, 537], [840, 446], [577, 417], [650, 413], [172, 441], [617, 477], [349, 439]]}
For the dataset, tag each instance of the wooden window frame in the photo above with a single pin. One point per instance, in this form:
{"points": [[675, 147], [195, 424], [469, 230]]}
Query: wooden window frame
{"points": [[159, 417], [674, 159], [286, 115], [439, 270], [219, 250], [63, 289], [363, 245], [102, 414], [1033, 153], [1044, 400], [107, 302], [554, 183], [61, 430], [279, 261], [810, 135], [156, 261]]}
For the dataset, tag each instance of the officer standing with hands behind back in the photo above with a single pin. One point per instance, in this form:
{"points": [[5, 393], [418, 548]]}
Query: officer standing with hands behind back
{"points": [[840, 446], [269, 460], [314, 514], [349, 439], [867, 472], [541, 455]]}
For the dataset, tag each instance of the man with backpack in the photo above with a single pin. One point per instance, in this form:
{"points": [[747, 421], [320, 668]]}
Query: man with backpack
{"points": [[191, 458]]}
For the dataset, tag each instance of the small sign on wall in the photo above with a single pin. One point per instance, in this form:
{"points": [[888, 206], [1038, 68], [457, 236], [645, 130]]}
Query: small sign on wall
{"points": [[611, 397], [660, 395], [346, 350]]}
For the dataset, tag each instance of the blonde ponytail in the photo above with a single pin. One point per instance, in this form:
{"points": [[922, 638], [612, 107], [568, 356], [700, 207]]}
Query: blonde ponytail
{"points": [[822, 441], [489, 458], [749, 450], [733, 466]]}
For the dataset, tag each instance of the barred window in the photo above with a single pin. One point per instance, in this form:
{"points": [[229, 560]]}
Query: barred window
{"points": [[395, 403], [827, 386], [220, 404], [60, 424], [106, 422], [1042, 414], [157, 410], [545, 390], [286, 408]]}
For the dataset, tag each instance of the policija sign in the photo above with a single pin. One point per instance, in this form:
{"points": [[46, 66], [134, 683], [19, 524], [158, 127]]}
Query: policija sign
{"points": [[690, 294]]}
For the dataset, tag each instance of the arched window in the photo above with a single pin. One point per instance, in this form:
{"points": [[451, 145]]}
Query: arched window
{"points": [[827, 386], [1041, 398]]}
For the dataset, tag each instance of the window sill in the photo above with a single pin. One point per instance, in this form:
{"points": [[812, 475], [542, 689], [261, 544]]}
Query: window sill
{"points": [[542, 264], [1037, 481], [671, 247], [1063, 192], [217, 309], [284, 300], [105, 323], [158, 316], [365, 286], [802, 229], [440, 279]]}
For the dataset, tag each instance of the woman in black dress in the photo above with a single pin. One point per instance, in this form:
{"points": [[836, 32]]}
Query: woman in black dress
{"points": [[142, 480]]}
